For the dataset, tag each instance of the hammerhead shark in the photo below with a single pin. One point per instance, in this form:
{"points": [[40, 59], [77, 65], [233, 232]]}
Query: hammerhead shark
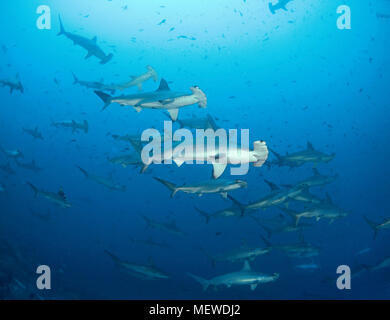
{"points": [[88, 44]]}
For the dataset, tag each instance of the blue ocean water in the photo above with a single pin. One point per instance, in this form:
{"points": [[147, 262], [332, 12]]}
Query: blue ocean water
{"points": [[289, 77]]}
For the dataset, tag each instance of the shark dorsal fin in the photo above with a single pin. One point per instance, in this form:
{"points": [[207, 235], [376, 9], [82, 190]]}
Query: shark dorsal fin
{"points": [[315, 171], [94, 39], [273, 186], [150, 261], [310, 146], [328, 198], [163, 86], [246, 266], [61, 193], [301, 238]]}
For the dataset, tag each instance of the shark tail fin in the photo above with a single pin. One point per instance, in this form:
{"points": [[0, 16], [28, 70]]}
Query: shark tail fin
{"points": [[75, 80], [106, 59], [86, 126], [267, 242], [277, 155], [147, 221], [144, 168], [169, 185], [372, 225], [34, 188], [365, 267], [238, 204], [179, 122], [266, 229], [62, 30], [209, 256], [106, 98], [212, 122], [112, 256], [203, 214], [296, 217], [271, 8], [203, 282], [83, 171]]}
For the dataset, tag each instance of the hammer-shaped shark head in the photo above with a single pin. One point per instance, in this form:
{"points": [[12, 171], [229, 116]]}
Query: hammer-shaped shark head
{"points": [[152, 73], [200, 95]]}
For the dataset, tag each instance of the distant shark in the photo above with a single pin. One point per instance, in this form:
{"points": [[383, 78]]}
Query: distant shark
{"points": [[378, 226], [149, 272], [277, 196], [93, 84], [237, 209], [170, 227], [163, 98], [243, 277], [73, 125], [326, 210], [318, 179], [35, 133], [221, 186], [299, 250], [242, 253], [299, 158], [28, 166], [107, 182], [281, 4], [58, 198], [13, 85], [12, 153], [88, 44], [139, 80], [198, 123], [7, 168], [130, 159]]}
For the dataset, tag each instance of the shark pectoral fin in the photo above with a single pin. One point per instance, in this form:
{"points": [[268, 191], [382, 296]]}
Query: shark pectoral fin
{"points": [[144, 168], [218, 169], [224, 195], [178, 161], [253, 286], [284, 8], [318, 219], [138, 109], [89, 54], [246, 266], [173, 113], [139, 86]]}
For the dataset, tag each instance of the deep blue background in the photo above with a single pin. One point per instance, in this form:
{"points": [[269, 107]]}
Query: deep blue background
{"points": [[294, 77]]}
